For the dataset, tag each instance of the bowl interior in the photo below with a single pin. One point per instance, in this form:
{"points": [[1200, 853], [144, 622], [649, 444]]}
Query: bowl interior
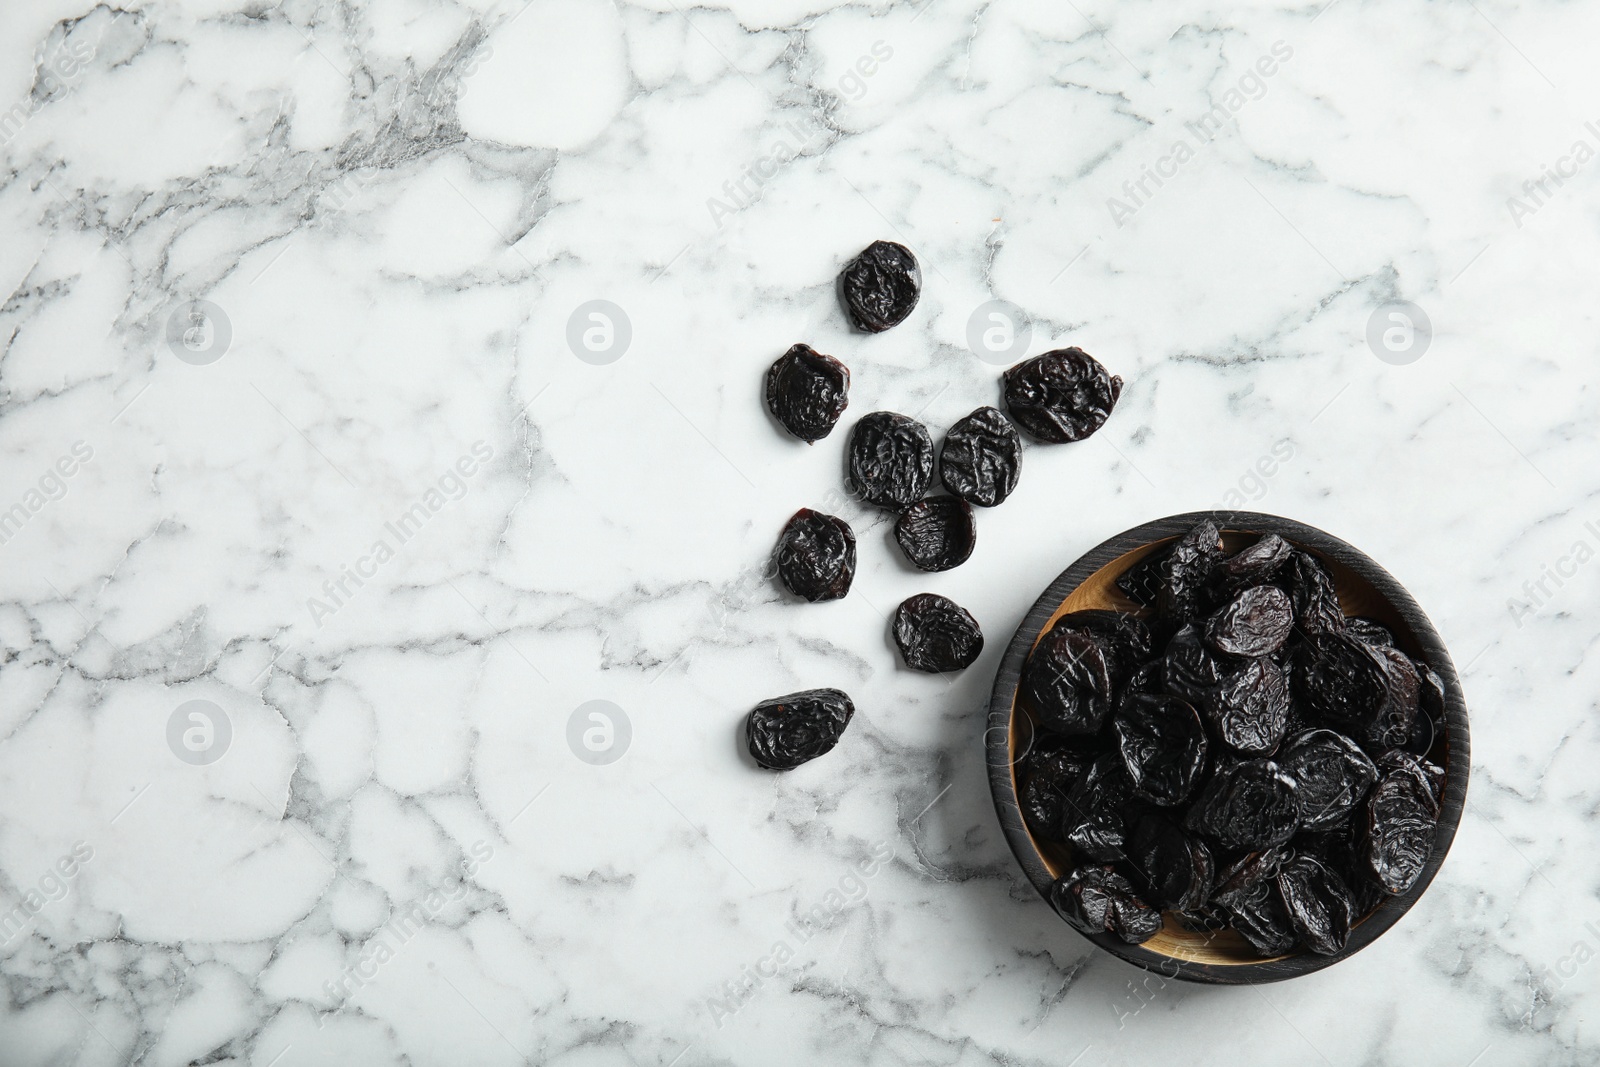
{"points": [[1357, 596]]}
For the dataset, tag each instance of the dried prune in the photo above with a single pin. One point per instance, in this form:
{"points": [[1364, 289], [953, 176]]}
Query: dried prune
{"points": [[1342, 682], [1098, 900], [891, 459], [1175, 870], [1096, 815], [936, 634], [1398, 832], [1250, 566], [1163, 746], [1241, 877], [1310, 586], [1371, 631], [1191, 670], [937, 534], [1124, 638], [817, 556], [1049, 775], [1141, 583], [1184, 572], [879, 288], [807, 392], [1428, 775], [1249, 710], [1333, 776], [784, 732], [1067, 684], [1340, 851], [1061, 396], [1254, 623], [1318, 903], [1247, 805], [981, 458], [1259, 917]]}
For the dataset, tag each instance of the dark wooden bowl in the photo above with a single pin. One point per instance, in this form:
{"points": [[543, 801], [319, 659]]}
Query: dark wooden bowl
{"points": [[1364, 588]]}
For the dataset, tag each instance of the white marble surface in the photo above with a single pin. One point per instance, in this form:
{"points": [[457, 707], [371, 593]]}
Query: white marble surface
{"points": [[394, 208]]}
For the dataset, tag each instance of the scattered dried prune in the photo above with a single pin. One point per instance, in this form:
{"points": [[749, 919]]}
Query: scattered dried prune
{"points": [[938, 533], [1176, 870], [1163, 746], [1371, 631], [1247, 805], [1184, 572], [936, 634], [1064, 395], [784, 732], [1049, 774], [981, 458], [817, 556], [1249, 710], [879, 288], [1066, 683], [1310, 586], [1318, 903], [1254, 623], [807, 392], [891, 459], [1333, 776], [1098, 900]]}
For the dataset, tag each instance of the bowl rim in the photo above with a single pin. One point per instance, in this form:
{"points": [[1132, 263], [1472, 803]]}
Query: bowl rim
{"points": [[1003, 699]]}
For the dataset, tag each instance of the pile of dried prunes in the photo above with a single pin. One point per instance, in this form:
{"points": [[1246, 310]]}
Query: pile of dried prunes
{"points": [[1057, 397], [1236, 752]]}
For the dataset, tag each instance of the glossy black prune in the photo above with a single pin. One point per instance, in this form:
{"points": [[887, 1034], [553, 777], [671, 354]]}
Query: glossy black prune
{"points": [[1124, 638], [1257, 622], [936, 634], [1249, 710], [1250, 566], [1247, 805], [1061, 396], [891, 460], [816, 556], [1163, 746], [879, 288], [807, 392], [1066, 683], [1141, 583], [1401, 815], [1175, 870], [1371, 631], [1097, 900], [1342, 682], [1259, 917], [784, 732], [1318, 903], [1333, 776], [937, 534], [1096, 814], [1310, 585], [1049, 774], [981, 458], [1184, 572]]}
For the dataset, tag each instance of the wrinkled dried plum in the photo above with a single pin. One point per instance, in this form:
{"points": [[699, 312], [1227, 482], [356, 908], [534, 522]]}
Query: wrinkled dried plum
{"points": [[1061, 396], [1333, 776], [1250, 566], [936, 634], [1124, 638], [937, 534], [1249, 710], [1340, 851], [1191, 670], [981, 458], [1371, 631], [1247, 805], [1318, 903], [1254, 623], [1310, 586], [891, 459], [1141, 583], [1163, 746], [1067, 684], [1098, 900], [817, 556], [1175, 870], [879, 288], [1049, 774], [807, 392], [1259, 917], [1342, 682], [784, 732], [1429, 775], [1185, 571], [1097, 809], [1241, 877]]}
